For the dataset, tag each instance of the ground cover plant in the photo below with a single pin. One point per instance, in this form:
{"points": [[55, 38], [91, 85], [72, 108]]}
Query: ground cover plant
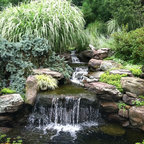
{"points": [[58, 21]]}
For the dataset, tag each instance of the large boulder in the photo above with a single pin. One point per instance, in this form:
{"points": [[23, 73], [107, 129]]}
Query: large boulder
{"points": [[31, 90], [94, 65], [136, 116], [109, 107], [109, 64], [101, 53], [86, 55], [47, 71], [133, 85], [104, 91], [121, 71], [10, 103]]}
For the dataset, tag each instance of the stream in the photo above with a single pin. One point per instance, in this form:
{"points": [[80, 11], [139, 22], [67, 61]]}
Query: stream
{"points": [[70, 115]]}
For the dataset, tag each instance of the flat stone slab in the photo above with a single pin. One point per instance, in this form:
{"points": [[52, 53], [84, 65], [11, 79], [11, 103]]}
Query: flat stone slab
{"points": [[104, 91], [121, 72], [10, 103], [95, 74], [47, 71]]}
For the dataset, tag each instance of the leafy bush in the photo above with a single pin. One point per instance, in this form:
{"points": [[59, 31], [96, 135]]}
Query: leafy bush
{"points": [[129, 46], [113, 79], [96, 9], [138, 103], [140, 143], [46, 82], [127, 12], [7, 91], [18, 59], [58, 21]]}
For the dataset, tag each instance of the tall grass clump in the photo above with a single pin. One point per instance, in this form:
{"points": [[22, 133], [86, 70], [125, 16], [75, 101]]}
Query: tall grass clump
{"points": [[58, 21]]}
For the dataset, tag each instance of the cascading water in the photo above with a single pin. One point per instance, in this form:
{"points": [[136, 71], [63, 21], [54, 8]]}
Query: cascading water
{"points": [[67, 114], [79, 72]]}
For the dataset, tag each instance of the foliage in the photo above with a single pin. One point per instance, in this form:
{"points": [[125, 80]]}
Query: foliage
{"points": [[56, 63], [122, 105], [18, 59], [7, 140], [142, 97], [77, 2], [96, 9], [135, 69], [99, 33], [138, 103], [127, 12], [58, 21], [7, 91], [46, 82], [113, 79], [129, 46]]}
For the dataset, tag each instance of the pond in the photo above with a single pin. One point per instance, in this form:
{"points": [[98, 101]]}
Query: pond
{"points": [[70, 115]]}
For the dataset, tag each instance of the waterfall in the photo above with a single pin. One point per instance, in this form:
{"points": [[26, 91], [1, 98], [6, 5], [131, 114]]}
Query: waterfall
{"points": [[64, 114], [80, 72]]}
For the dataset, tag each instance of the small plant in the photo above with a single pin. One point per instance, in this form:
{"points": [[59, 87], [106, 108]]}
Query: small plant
{"points": [[7, 140], [138, 103], [142, 97], [122, 105], [140, 143], [112, 79], [7, 91], [46, 82]]}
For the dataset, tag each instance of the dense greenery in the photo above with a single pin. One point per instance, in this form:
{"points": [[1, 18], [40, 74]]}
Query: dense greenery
{"points": [[7, 91], [129, 46], [18, 59], [113, 79], [57, 21]]}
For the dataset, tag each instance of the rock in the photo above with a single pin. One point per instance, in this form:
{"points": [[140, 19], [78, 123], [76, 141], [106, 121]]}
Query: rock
{"points": [[113, 130], [116, 118], [109, 64], [125, 124], [136, 116], [5, 118], [104, 91], [31, 90], [94, 65], [66, 56], [10, 103], [95, 74], [131, 95], [128, 100], [86, 55], [123, 113], [101, 53], [47, 71], [121, 71], [109, 107], [133, 85]]}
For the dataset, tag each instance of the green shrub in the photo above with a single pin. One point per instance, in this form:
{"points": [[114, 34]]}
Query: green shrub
{"points": [[58, 21], [7, 91], [140, 143], [112, 79], [46, 82], [18, 60], [138, 103], [127, 12], [96, 9], [129, 46]]}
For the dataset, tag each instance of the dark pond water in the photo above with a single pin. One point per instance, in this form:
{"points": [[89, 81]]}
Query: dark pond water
{"points": [[58, 129]]}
